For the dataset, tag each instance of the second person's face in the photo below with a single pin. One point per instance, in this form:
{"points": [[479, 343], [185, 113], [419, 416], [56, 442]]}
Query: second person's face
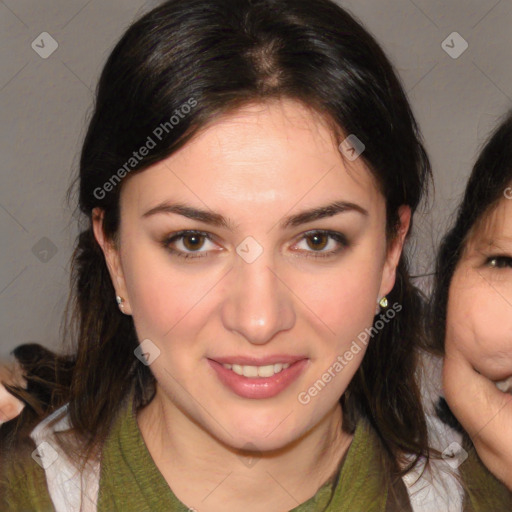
{"points": [[479, 316]]}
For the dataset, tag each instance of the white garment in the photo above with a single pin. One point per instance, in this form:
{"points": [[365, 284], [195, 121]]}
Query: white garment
{"points": [[438, 489], [62, 477]]}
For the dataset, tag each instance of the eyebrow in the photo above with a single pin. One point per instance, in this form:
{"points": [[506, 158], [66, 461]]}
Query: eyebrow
{"points": [[216, 219]]}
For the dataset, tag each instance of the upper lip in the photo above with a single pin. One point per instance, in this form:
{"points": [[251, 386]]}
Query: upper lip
{"points": [[258, 361]]}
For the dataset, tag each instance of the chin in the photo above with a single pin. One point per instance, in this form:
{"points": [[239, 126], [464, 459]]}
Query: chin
{"points": [[269, 437]]}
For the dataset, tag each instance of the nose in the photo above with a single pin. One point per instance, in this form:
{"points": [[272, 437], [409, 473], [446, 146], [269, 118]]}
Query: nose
{"points": [[257, 304]]}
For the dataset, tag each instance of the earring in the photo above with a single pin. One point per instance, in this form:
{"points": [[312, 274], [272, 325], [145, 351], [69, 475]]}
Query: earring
{"points": [[381, 303], [120, 301]]}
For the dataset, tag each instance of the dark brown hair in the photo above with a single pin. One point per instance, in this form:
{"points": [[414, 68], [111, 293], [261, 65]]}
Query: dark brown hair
{"points": [[223, 54]]}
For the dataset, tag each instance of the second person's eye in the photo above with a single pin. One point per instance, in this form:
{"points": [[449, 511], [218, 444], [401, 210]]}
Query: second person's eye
{"points": [[499, 261]]}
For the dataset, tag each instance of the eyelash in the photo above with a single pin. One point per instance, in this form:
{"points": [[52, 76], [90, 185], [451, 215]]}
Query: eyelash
{"points": [[338, 237], [499, 259]]}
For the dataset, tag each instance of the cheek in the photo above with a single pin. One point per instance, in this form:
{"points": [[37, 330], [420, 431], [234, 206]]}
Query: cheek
{"points": [[163, 299], [479, 324], [345, 300]]}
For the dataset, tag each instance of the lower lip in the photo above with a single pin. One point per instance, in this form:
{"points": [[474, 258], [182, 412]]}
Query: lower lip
{"points": [[259, 387]]}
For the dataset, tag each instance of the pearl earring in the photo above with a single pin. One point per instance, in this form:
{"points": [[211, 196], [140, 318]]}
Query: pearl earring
{"points": [[120, 301]]}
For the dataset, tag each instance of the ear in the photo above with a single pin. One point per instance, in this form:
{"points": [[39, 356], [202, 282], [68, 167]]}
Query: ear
{"points": [[395, 251], [112, 259]]}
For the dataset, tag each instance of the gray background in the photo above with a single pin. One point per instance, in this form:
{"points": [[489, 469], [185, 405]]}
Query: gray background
{"points": [[45, 103]]}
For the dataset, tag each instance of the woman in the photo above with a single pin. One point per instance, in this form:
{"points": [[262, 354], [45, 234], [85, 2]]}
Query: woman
{"points": [[245, 317], [474, 295]]}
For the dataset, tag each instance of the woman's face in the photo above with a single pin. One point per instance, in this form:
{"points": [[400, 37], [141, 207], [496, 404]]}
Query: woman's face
{"points": [[259, 285], [479, 317]]}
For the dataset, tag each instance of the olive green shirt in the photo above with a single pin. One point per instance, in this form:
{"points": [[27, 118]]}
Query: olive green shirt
{"points": [[130, 481]]}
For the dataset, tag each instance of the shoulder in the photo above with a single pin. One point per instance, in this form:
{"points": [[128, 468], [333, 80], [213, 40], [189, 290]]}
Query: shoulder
{"points": [[67, 484], [23, 484], [456, 479], [483, 490], [38, 476]]}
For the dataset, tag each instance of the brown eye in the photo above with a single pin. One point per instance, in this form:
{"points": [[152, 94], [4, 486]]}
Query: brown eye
{"points": [[193, 242], [190, 244], [322, 244], [318, 241]]}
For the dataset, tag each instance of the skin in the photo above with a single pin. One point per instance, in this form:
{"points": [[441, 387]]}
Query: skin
{"points": [[255, 167], [11, 374], [479, 341]]}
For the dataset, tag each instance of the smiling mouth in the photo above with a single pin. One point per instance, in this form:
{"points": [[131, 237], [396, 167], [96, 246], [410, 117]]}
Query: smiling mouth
{"points": [[259, 382]]}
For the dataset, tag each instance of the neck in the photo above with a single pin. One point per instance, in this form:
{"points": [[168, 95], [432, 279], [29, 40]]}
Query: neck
{"points": [[205, 473]]}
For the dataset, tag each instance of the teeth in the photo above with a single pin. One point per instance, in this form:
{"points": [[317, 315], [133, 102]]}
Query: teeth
{"points": [[250, 371], [257, 371], [267, 371], [505, 385]]}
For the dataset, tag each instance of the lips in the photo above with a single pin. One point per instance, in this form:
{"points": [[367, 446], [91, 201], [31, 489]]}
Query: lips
{"points": [[258, 387]]}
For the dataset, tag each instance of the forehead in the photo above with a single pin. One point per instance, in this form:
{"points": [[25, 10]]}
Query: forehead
{"points": [[494, 228], [259, 154]]}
